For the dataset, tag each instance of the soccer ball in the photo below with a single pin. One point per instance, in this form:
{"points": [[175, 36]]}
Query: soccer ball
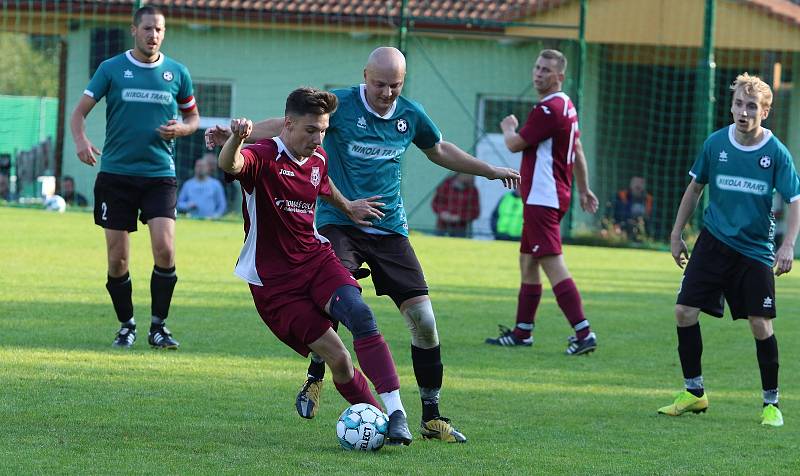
{"points": [[362, 427], [55, 203]]}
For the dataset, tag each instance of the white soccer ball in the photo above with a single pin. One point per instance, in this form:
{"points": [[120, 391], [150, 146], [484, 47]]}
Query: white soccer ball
{"points": [[55, 203], [362, 427]]}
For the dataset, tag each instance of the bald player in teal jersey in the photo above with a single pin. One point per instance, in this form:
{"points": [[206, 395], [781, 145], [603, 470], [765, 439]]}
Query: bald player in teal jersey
{"points": [[368, 136], [742, 164], [144, 91]]}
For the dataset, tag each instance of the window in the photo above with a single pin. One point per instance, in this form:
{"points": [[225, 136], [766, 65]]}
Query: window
{"points": [[492, 110], [105, 43], [214, 98]]}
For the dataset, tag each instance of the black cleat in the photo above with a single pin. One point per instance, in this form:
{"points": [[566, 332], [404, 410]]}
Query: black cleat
{"points": [[161, 338], [508, 339], [398, 433], [581, 347], [125, 338]]}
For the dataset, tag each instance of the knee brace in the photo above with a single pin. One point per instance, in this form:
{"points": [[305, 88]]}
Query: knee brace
{"points": [[422, 324], [349, 308]]}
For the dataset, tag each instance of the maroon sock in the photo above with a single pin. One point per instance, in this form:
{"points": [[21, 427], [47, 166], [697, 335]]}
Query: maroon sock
{"points": [[376, 362], [528, 302], [357, 390], [569, 300]]}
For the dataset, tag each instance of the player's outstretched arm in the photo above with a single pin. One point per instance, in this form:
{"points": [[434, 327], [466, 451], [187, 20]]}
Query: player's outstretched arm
{"points": [[266, 129], [588, 200], [86, 151], [358, 211], [230, 157], [680, 253], [785, 255], [449, 156]]}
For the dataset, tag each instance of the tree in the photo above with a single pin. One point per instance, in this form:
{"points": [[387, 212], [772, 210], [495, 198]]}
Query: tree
{"points": [[27, 71]]}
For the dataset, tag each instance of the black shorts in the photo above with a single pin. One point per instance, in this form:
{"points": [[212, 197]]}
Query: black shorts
{"points": [[118, 200], [717, 271], [396, 271]]}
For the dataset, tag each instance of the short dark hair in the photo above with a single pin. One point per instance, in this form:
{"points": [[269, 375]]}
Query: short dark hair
{"points": [[146, 10], [307, 100], [64, 178]]}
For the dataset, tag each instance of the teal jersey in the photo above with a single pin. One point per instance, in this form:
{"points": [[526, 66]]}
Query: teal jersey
{"points": [[741, 182], [364, 151], [140, 97]]}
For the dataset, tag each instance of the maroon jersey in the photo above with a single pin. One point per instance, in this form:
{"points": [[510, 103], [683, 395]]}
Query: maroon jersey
{"points": [[279, 200], [550, 131]]}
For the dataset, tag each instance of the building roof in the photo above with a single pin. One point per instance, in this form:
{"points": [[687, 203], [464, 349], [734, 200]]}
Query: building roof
{"points": [[432, 13]]}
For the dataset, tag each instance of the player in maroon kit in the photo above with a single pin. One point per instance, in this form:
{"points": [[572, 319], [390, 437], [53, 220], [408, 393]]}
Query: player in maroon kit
{"points": [[550, 145], [299, 287]]}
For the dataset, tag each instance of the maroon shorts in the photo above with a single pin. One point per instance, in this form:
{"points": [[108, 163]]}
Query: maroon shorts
{"points": [[541, 231], [293, 307]]}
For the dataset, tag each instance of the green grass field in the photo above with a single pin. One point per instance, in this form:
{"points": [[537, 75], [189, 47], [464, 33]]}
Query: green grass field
{"points": [[223, 403]]}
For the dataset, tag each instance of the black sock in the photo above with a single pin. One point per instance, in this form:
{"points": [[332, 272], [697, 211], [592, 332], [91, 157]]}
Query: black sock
{"points": [[690, 350], [316, 369], [429, 371], [162, 283], [767, 354], [120, 290]]}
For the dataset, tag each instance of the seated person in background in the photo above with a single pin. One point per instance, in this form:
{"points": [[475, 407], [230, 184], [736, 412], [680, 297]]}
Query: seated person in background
{"points": [[69, 194], [633, 208], [5, 191], [507, 217], [202, 196], [456, 204]]}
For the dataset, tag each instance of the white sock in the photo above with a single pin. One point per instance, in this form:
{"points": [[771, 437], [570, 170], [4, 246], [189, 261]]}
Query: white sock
{"points": [[392, 402]]}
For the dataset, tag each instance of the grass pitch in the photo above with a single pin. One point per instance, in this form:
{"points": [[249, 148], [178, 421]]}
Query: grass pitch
{"points": [[223, 403]]}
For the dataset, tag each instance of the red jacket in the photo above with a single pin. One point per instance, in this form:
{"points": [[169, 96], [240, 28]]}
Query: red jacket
{"points": [[462, 202]]}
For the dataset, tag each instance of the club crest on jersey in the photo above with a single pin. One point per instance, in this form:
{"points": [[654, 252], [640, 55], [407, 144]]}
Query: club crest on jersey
{"points": [[402, 126], [127, 74], [362, 123], [765, 162], [315, 177], [167, 75]]}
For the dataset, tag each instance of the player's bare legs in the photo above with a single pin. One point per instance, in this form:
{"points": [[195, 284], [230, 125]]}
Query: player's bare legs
{"points": [[162, 280], [119, 286], [349, 381], [347, 306]]}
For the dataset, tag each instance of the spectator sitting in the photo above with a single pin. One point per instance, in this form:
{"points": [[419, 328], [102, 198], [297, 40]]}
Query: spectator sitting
{"points": [[633, 208], [507, 217], [456, 204], [202, 196], [69, 194], [5, 192]]}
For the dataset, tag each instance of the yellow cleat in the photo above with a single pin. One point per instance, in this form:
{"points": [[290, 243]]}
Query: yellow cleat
{"points": [[771, 416], [685, 402], [307, 401], [440, 428]]}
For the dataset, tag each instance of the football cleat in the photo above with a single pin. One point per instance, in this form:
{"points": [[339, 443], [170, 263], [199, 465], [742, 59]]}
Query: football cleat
{"points": [[508, 339], [398, 432], [125, 338], [307, 401], [772, 416], [440, 428], [685, 402], [579, 347], [161, 338]]}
